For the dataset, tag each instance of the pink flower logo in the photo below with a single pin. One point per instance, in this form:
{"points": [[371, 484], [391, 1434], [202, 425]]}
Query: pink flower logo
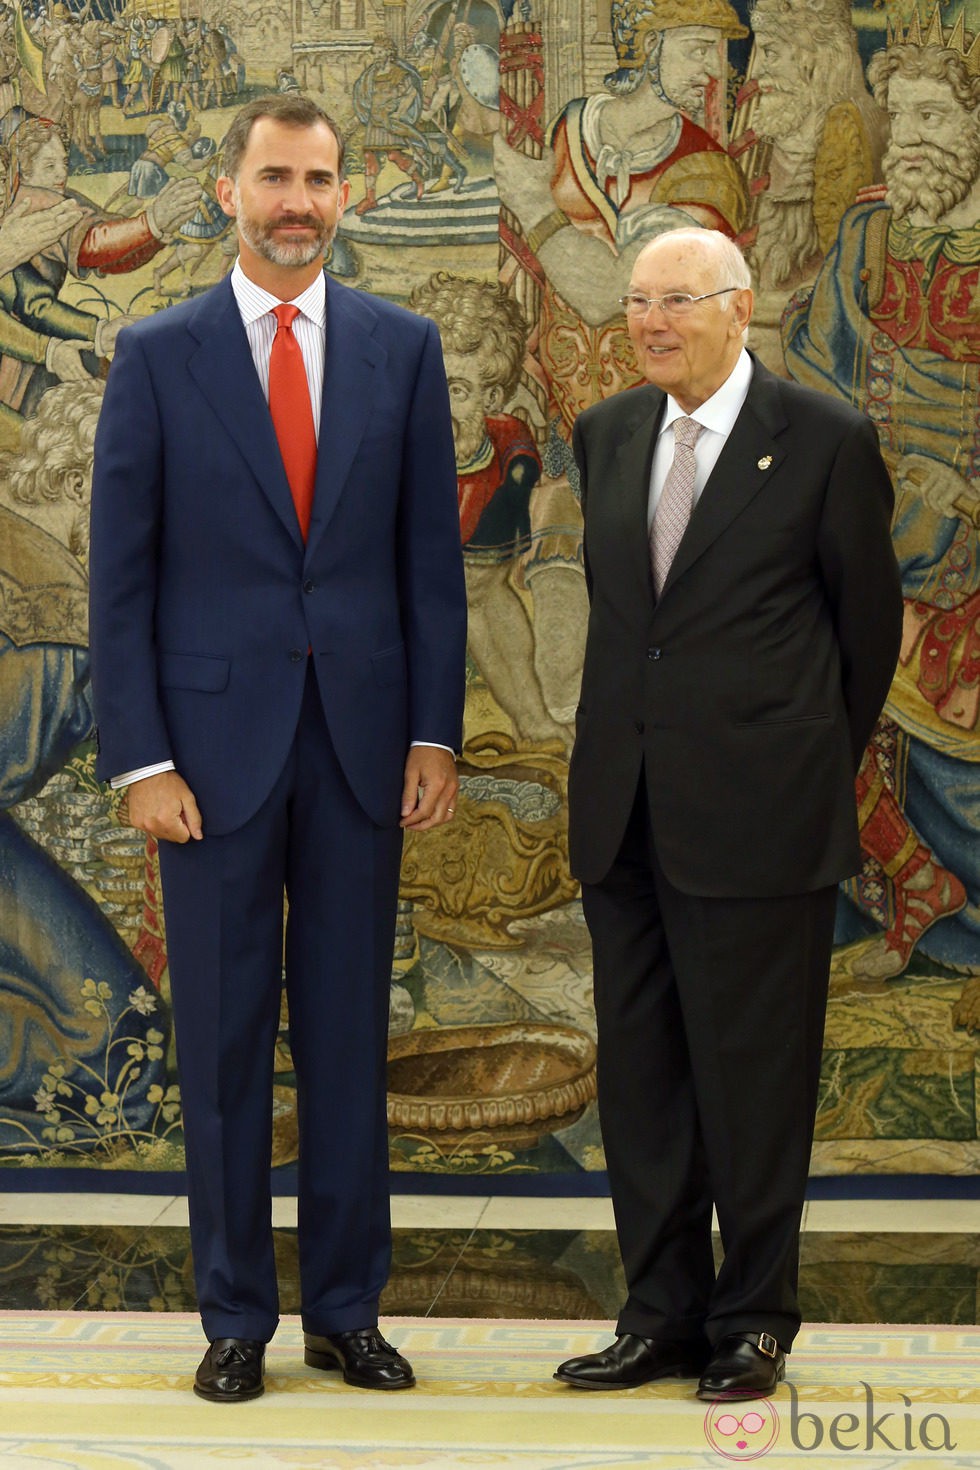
{"points": [[741, 1431]]}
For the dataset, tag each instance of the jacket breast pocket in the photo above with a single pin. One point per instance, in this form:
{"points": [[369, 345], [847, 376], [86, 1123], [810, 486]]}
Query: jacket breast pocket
{"points": [[194, 671]]}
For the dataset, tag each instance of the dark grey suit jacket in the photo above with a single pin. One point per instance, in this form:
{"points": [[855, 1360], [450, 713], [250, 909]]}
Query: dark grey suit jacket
{"points": [[748, 692]]}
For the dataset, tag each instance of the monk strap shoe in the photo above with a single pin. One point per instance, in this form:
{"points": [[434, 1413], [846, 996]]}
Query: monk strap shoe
{"points": [[743, 1365], [364, 1358]]}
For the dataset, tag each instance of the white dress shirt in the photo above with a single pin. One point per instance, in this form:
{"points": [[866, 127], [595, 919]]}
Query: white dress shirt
{"points": [[716, 416], [309, 329]]}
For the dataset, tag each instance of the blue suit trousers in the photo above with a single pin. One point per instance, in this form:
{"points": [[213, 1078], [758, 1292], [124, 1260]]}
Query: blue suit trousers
{"points": [[223, 902]]}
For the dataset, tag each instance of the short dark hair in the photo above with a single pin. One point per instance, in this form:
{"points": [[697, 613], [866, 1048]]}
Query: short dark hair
{"points": [[292, 109]]}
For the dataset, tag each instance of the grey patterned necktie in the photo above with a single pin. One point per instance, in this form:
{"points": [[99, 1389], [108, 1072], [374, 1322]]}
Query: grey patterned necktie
{"points": [[674, 506]]}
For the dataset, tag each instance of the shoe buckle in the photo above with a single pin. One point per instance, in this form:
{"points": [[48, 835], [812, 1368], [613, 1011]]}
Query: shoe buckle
{"points": [[767, 1344]]}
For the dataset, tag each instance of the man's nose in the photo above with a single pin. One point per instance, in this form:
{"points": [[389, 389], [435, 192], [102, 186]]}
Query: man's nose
{"points": [[298, 198], [905, 129], [653, 304]]}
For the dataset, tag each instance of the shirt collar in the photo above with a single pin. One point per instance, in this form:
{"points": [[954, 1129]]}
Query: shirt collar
{"points": [[720, 411], [254, 301]]}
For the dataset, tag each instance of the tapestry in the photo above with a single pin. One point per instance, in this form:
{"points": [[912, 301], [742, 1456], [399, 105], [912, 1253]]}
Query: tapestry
{"points": [[508, 159]]}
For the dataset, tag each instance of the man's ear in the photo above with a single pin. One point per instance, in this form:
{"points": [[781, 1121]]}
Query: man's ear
{"points": [[73, 486], [742, 314], [225, 190], [493, 399]]}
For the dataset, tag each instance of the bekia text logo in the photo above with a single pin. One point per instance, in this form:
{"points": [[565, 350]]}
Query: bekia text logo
{"points": [[743, 1431]]}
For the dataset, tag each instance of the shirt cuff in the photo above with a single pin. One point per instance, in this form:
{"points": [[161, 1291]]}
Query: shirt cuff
{"points": [[140, 774]]}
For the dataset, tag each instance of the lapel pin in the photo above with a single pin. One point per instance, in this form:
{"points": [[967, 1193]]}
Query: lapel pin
{"points": [[765, 461]]}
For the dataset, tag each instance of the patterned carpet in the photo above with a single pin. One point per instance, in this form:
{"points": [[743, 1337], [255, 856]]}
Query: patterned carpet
{"points": [[111, 1391]]}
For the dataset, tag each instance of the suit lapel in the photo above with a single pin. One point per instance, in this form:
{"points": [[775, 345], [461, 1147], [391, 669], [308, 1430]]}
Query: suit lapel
{"points": [[644, 408], [352, 359], [223, 369], [224, 372], [750, 457]]}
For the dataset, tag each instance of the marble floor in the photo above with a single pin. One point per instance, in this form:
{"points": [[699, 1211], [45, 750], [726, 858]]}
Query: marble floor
{"points": [[879, 1260]]}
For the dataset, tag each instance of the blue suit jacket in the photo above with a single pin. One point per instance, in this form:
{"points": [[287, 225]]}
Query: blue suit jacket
{"points": [[204, 597]]}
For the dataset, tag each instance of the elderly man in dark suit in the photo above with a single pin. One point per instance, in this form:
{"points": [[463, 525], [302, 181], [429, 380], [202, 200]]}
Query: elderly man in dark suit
{"points": [[278, 636], [744, 628]]}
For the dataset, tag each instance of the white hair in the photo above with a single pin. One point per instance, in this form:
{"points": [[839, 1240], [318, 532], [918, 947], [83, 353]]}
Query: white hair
{"points": [[729, 262]]}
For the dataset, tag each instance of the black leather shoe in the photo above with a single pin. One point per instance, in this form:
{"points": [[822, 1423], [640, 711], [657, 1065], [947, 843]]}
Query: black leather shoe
{"points": [[365, 1359], [632, 1360], [231, 1369], [744, 1365]]}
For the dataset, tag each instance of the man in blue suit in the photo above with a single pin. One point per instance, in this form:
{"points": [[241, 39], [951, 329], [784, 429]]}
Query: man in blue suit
{"points": [[279, 706]]}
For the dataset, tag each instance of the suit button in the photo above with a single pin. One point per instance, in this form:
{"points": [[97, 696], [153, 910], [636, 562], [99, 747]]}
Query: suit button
{"points": [[639, 726], [654, 653], [295, 654], [309, 586]]}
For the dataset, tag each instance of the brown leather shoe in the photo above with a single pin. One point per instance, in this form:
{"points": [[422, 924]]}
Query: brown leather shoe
{"points": [[365, 1359], [631, 1360], [231, 1370], [743, 1365]]}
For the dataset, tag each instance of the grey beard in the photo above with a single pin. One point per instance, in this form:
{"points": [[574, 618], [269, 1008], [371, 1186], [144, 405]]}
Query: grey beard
{"points": [[786, 247], [780, 113], [943, 182], [469, 436], [283, 252], [692, 103]]}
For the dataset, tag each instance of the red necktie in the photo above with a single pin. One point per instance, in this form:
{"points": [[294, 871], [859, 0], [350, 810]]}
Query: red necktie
{"points": [[292, 413]]}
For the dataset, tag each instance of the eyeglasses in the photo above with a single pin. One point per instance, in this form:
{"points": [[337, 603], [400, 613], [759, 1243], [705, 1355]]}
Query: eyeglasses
{"points": [[675, 303]]}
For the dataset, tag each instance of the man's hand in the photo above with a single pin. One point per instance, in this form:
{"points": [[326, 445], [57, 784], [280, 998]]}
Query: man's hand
{"points": [[173, 206], [164, 806], [107, 329], [937, 484], [430, 788], [64, 360], [26, 232]]}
